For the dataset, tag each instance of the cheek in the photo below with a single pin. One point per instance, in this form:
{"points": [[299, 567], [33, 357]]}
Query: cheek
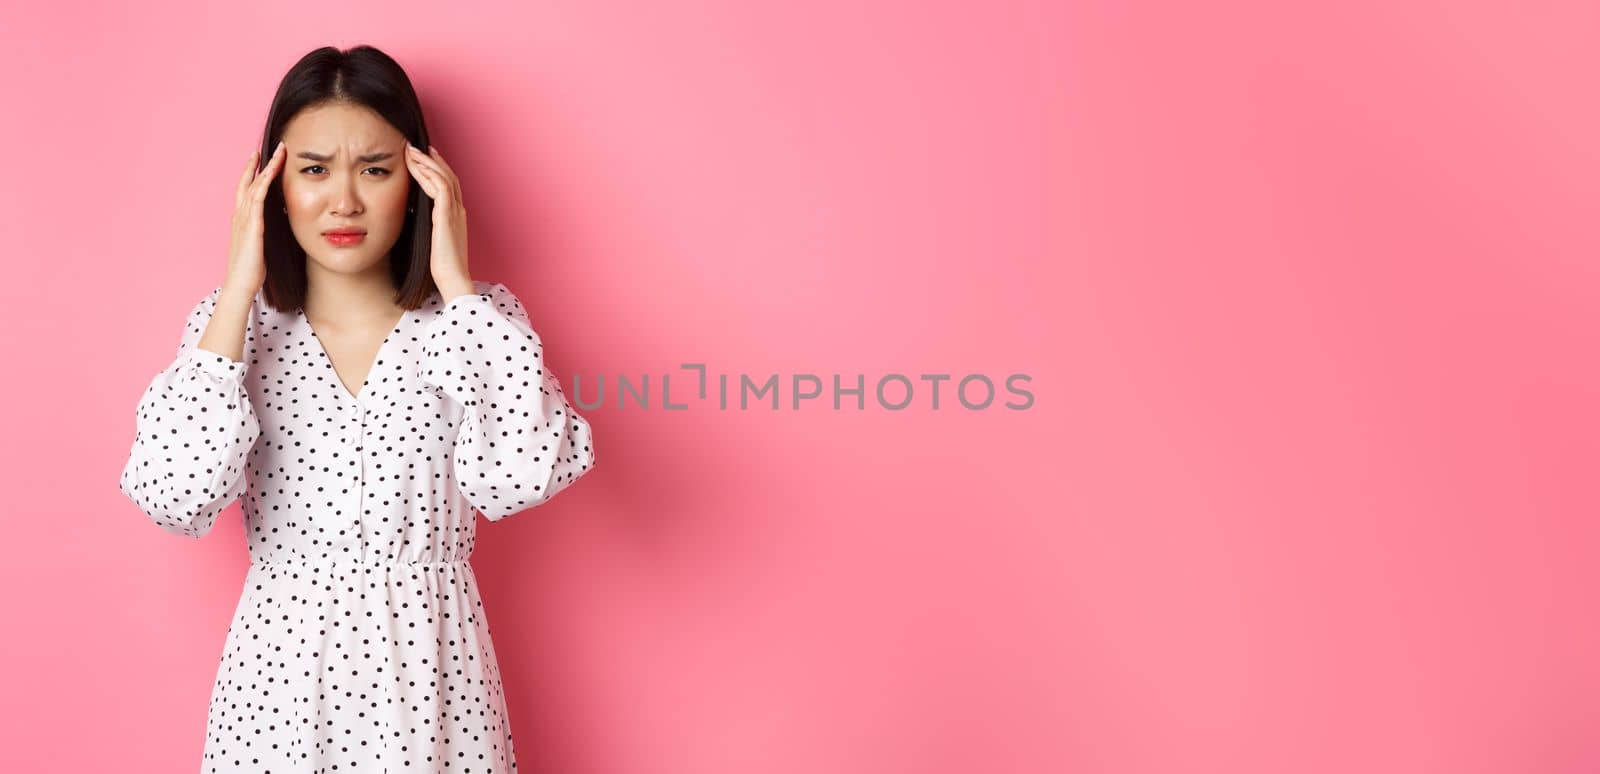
{"points": [[393, 197], [388, 206], [298, 201]]}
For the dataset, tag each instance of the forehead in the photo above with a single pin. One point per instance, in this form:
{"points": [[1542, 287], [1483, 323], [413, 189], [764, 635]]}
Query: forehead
{"points": [[338, 128]]}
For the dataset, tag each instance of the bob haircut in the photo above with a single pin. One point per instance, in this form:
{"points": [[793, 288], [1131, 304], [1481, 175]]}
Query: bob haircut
{"points": [[366, 77]]}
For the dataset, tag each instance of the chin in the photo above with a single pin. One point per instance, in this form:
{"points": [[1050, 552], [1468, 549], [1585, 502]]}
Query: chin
{"points": [[344, 263]]}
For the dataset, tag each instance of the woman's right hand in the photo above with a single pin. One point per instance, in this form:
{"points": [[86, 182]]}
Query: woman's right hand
{"points": [[247, 263]]}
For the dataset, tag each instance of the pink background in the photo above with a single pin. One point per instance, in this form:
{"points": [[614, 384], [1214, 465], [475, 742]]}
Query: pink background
{"points": [[1308, 298]]}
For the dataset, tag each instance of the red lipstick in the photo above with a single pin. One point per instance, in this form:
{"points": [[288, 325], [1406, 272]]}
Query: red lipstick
{"points": [[345, 236]]}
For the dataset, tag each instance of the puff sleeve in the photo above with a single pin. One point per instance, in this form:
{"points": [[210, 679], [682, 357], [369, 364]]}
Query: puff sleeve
{"points": [[519, 442], [194, 430]]}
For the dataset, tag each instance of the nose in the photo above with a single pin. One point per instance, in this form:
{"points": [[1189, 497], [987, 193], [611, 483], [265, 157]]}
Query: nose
{"points": [[346, 199]]}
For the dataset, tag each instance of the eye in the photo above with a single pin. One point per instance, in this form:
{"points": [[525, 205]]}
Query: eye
{"points": [[385, 172]]}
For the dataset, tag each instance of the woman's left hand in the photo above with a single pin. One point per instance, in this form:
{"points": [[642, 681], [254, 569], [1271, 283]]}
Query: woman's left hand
{"points": [[449, 248]]}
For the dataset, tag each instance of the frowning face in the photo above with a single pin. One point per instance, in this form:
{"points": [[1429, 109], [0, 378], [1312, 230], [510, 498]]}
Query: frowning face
{"points": [[345, 171]]}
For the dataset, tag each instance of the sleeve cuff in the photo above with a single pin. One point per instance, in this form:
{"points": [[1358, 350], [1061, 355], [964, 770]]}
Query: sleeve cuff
{"points": [[213, 364], [467, 299]]}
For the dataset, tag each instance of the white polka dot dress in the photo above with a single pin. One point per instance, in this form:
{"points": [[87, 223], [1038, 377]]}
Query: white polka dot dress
{"points": [[359, 643]]}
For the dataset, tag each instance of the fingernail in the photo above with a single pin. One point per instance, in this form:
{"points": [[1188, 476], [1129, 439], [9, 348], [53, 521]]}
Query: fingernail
{"points": [[279, 148]]}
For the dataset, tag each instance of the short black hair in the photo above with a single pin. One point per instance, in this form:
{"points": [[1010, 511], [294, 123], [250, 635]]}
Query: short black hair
{"points": [[361, 75]]}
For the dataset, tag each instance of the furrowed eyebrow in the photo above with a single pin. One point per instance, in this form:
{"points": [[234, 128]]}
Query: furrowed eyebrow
{"points": [[370, 157]]}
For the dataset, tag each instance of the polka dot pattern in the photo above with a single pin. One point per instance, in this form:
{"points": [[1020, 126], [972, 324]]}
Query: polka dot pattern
{"points": [[359, 642]]}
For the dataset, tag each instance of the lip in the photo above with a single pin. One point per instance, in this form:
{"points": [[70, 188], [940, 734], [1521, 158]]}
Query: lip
{"points": [[344, 238]]}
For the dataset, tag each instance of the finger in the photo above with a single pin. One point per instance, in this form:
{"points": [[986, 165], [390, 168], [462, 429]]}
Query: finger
{"points": [[446, 182], [244, 179], [425, 181], [423, 176], [262, 178], [438, 159], [280, 155], [450, 172], [426, 175], [422, 159], [433, 185], [263, 181]]}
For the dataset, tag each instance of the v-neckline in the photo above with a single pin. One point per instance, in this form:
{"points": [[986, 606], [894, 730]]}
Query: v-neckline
{"points": [[338, 383]]}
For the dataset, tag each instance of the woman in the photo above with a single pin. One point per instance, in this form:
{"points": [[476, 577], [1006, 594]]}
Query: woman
{"points": [[361, 394]]}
